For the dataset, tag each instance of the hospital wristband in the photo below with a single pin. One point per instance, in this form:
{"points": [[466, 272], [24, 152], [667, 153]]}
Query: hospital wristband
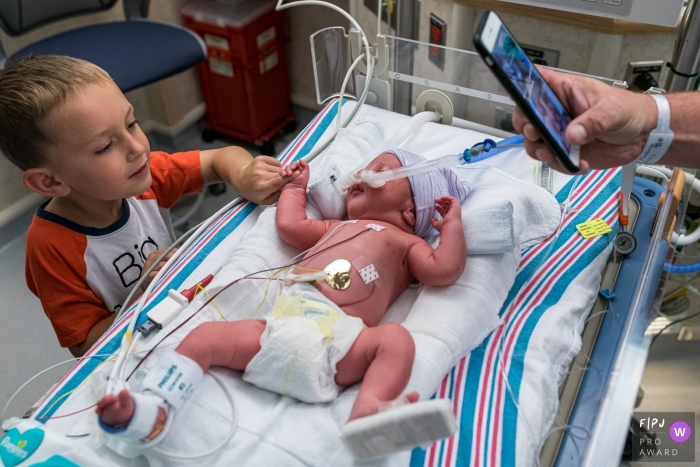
{"points": [[661, 137]]}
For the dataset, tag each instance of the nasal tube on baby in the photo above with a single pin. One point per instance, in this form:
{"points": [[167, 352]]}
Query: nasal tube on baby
{"points": [[379, 179]]}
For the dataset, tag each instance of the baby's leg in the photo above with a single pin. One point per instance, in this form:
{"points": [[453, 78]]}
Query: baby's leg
{"points": [[231, 345], [382, 358]]}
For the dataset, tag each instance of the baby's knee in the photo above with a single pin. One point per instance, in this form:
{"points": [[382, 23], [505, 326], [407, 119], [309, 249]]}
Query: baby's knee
{"points": [[397, 338]]}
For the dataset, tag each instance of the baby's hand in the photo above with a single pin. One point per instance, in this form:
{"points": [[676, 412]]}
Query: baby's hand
{"points": [[450, 210], [300, 170], [116, 410]]}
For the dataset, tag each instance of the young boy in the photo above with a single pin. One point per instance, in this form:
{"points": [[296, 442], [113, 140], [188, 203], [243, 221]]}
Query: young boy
{"points": [[66, 124]]}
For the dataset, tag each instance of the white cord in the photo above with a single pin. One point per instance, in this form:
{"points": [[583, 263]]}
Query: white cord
{"points": [[222, 444]]}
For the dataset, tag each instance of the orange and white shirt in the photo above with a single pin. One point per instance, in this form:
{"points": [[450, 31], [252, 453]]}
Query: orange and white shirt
{"points": [[83, 274]]}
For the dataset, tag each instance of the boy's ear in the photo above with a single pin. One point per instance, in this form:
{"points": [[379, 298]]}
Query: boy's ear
{"points": [[42, 181], [409, 215]]}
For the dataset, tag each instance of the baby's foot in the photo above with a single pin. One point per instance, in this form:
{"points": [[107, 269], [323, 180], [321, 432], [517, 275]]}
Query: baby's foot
{"points": [[365, 406], [116, 410]]}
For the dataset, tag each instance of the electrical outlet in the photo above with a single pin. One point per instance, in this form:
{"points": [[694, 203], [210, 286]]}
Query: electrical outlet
{"points": [[641, 76]]}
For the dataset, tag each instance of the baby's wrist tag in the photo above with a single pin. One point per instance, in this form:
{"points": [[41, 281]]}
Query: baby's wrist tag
{"points": [[593, 228]]}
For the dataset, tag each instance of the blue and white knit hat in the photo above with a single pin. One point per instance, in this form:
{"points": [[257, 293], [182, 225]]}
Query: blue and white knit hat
{"points": [[427, 187]]}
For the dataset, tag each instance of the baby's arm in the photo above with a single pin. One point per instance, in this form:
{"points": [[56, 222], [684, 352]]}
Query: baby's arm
{"points": [[292, 224], [257, 179], [443, 265]]}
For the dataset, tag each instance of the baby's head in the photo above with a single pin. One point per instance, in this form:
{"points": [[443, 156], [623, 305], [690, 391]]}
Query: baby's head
{"points": [[66, 124], [408, 203]]}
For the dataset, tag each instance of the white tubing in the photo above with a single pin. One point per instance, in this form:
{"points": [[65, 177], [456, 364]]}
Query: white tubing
{"points": [[407, 130], [399, 138], [653, 171], [467, 125]]}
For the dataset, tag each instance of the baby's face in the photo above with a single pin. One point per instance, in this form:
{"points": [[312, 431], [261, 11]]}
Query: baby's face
{"points": [[99, 149], [365, 202]]}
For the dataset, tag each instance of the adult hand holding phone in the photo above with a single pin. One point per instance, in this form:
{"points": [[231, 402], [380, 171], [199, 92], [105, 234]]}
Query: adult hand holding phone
{"points": [[611, 125]]}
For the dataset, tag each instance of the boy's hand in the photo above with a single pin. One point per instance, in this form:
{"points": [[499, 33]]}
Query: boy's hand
{"points": [[299, 172], [261, 180], [152, 259], [450, 210]]}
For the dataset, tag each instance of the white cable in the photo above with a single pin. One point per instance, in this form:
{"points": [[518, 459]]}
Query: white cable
{"points": [[126, 344], [368, 56], [345, 83], [222, 444]]}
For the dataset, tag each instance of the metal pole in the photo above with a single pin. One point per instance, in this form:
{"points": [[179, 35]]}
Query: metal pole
{"points": [[408, 12], [686, 58]]}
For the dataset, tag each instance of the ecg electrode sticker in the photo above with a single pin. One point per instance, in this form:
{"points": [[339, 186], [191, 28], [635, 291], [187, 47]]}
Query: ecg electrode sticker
{"points": [[376, 227], [369, 274]]}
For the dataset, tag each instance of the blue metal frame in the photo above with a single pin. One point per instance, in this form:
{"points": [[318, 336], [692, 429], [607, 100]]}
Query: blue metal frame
{"points": [[574, 444]]}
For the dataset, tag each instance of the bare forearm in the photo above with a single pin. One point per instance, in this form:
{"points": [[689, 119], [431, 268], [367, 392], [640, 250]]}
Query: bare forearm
{"points": [[95, 333], [227, 165], [451, 253], [293, 226], [443, 265]]}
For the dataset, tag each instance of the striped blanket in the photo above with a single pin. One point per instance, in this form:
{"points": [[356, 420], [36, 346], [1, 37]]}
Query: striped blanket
{"points": [[485, 385]]}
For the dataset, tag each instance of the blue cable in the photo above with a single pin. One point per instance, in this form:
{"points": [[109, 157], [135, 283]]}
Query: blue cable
{"points": [[682, 268]]}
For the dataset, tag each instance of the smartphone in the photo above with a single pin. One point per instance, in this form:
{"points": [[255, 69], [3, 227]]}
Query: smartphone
{"points": [[507, 60]]}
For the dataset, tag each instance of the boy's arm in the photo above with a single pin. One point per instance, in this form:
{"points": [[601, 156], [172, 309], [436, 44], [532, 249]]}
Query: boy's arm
{"points": [[443, 265], [93, 335], [292, 224], [257, 179]]}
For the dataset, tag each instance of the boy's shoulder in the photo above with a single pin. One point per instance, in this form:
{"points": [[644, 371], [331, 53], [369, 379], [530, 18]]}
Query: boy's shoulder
{"points": [[47, 237]]}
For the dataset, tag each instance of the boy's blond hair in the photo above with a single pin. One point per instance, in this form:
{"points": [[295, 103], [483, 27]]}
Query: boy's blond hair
{"points": [[30, 89]]}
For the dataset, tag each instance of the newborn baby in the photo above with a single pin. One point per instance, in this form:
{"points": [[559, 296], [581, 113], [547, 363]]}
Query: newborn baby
{"points": [[323, 335]]}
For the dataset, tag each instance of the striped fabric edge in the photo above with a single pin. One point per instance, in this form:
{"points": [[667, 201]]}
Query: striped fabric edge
{"points": [[481, 400], [190, 259]]}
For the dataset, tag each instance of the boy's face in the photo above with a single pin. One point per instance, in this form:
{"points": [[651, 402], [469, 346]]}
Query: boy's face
{"points": [[99, 150]]}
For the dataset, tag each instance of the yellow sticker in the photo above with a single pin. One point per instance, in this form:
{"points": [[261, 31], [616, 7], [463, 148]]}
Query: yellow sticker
{"points": [[594, 228]]}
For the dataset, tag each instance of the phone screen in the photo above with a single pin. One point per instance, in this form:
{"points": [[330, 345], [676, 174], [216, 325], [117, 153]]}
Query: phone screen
{"points": [[527, 80]]}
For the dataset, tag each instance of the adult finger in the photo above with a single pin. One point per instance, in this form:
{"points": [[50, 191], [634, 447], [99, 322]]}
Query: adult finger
{"points": [[269, 161]]}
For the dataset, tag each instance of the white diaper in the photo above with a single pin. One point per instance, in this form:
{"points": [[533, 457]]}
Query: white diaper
{"points": [[305, 337]]}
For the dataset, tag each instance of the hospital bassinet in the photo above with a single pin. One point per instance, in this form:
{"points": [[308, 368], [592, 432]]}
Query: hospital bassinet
{"points": [[492, 386]]}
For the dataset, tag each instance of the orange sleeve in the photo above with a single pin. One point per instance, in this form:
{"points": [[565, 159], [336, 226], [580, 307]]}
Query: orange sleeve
{"points": [[55, 271], [173, 175]]}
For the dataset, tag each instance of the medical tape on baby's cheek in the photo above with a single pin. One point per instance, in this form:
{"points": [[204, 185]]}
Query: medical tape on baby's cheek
{"points": [[368, 272], [174, 378]]}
